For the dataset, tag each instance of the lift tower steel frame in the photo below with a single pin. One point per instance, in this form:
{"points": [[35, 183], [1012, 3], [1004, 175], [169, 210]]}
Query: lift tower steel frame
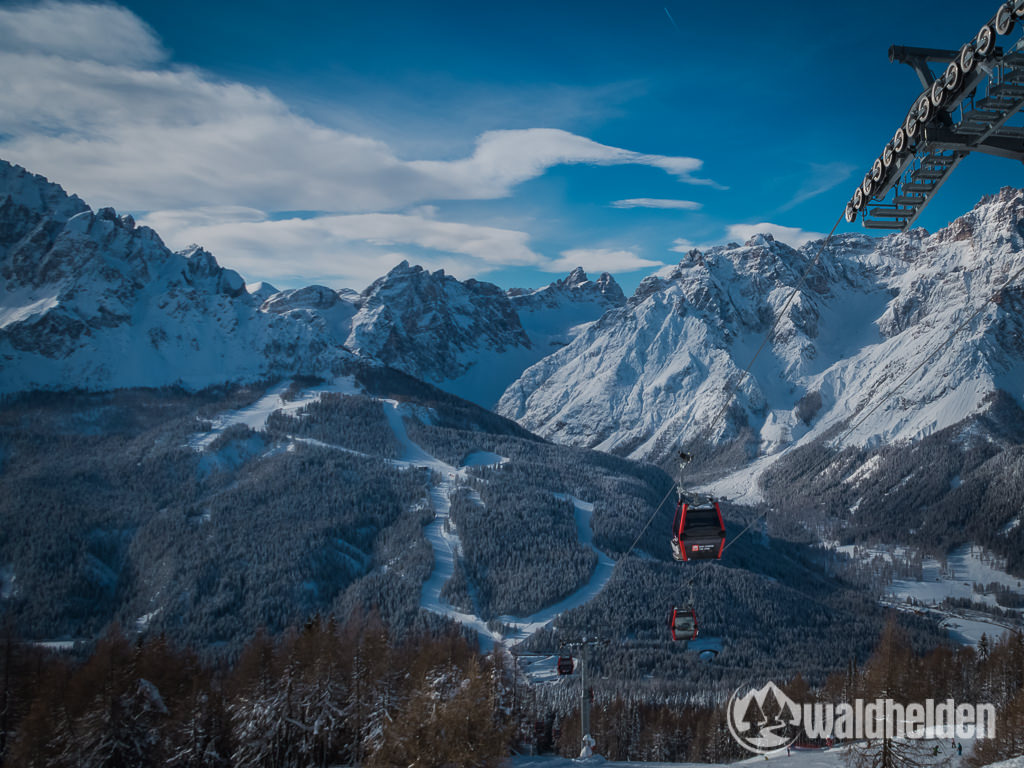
{"points": [[963, 110]]}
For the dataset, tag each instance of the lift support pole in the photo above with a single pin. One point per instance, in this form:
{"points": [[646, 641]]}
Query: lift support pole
{"points": [[587, 749]]}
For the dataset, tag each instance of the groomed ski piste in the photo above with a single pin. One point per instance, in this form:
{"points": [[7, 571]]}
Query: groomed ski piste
{"points": [[255, 416], [965, 567], [444, 541], [441, 532]]}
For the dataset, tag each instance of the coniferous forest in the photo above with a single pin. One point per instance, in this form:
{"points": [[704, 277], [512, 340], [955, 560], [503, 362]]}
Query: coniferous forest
{"points": [[325, 693]]}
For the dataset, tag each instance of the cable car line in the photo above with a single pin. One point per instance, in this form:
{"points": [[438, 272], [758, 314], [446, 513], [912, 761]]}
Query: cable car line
{"points": [[876, 184]]}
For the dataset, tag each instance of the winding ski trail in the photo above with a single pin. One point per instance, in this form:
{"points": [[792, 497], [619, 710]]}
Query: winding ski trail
{"points": [[444, 541]]}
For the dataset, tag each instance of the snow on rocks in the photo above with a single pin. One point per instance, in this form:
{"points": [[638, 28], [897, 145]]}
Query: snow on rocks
{"points": [[869, 333]]}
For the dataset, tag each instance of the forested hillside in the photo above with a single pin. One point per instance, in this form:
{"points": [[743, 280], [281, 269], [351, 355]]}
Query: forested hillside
{"points": [[165, 522], [195, 516], [962, 484]]}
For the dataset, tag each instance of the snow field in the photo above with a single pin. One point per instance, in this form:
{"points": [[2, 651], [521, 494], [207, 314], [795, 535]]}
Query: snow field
{"points": [[965, 566], [255, 416], [798, 758]]}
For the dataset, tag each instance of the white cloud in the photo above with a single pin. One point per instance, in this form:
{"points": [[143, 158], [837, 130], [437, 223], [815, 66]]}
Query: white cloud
{"points": [[503, 159], [350, 249], [682, 245], [654, 202], [600, 260], [79, 32], [791, 236], [85, 101]]}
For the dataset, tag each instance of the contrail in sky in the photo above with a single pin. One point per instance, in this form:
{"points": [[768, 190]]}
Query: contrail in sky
{"points": [[673, 21]]}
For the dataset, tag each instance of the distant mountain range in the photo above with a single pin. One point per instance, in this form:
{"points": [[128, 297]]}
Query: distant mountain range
{"points": [[866, 351], [92, 301]]}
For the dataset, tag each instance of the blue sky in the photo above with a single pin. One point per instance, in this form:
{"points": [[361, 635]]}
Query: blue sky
{"points": [[326, 141]]}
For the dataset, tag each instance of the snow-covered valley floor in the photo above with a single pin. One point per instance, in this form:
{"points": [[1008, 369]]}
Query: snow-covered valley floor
{"points": [[967, 574]]}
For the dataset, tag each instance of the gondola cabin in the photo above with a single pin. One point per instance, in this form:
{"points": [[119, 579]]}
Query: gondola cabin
{"points": [[698, 532], [683, 623], [565, 665]]}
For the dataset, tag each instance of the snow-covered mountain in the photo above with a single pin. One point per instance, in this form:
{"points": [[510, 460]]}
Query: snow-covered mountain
{"points": [[554, 315], [436, 328], [657, 373], [469, 337], [550, 317], [90, 300]]}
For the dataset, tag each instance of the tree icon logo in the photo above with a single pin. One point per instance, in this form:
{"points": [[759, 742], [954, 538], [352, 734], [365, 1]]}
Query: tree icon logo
{"points": [[764, 719]]}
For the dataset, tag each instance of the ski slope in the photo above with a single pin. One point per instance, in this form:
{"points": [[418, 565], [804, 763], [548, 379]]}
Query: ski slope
{"points": [[441, 532], [524, 627], [798, 758], [255, 416], [444, 542]]}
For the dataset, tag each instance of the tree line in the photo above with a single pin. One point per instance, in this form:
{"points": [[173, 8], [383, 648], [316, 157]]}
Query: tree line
{"points": [[317, 695]]}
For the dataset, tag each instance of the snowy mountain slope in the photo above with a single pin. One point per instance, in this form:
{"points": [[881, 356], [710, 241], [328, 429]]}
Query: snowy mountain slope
{"points": [[554, 315], [655, 374], [328, 312], [551, 317], [657, 368], [90, 300], [435, 327]]}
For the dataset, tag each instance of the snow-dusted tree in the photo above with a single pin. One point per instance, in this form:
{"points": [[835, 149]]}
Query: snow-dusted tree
{"points": [[889, 675], [321, 691], [199, 740], [118, 731], [373, 694], [264, 725], [447, 721]]}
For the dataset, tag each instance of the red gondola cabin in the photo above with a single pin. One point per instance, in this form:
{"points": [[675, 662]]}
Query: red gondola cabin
{"points": [[683, 623], [565, 665], [698, 532]]}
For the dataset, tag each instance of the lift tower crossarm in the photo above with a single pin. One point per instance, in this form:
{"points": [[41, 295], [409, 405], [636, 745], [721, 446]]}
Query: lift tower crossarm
{"points": [[919, 59]]}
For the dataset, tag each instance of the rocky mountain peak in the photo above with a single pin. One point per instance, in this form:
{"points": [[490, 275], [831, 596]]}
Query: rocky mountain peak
{"points": [[575, 278], [996, 220], [20, 188], [426, 323], [575, 287]]}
